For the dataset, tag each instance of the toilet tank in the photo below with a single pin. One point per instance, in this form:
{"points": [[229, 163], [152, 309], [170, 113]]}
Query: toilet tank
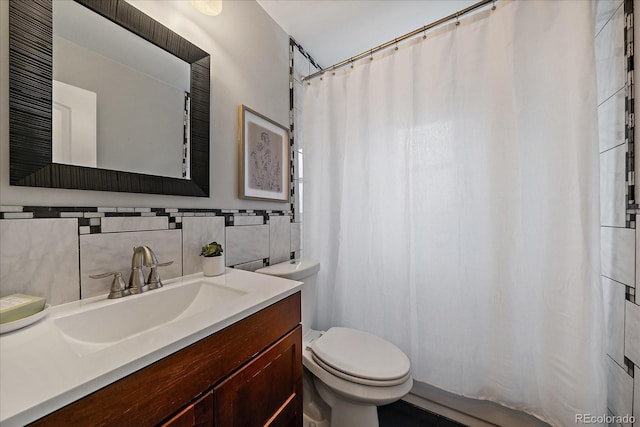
{"points": [[302, 270]]}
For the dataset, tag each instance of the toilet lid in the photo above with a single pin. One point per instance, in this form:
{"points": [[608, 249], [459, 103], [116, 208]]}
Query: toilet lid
{"points": [[361, 354]]}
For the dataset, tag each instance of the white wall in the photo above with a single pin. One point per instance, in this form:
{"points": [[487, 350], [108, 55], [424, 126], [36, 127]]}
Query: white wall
{"points": [[249, 65]]}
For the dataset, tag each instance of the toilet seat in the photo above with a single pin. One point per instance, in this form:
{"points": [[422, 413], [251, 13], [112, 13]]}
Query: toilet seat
{"points": [[360, 357]]}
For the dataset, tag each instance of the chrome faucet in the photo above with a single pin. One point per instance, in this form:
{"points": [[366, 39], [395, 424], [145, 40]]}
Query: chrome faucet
{"points": [[143, 256]]}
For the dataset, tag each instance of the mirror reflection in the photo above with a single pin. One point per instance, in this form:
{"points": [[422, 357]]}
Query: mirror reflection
{"points": [[116, 108]]}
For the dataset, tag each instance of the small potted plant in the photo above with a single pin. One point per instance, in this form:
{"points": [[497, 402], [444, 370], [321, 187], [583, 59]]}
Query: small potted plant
{"points": [[213, 262]]}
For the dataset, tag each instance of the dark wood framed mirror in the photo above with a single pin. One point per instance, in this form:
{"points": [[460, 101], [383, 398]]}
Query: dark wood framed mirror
{"points": [[30, 103]]}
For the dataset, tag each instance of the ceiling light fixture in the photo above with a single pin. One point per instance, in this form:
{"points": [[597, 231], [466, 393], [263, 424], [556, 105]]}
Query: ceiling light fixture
{"points": [[208, 7]]}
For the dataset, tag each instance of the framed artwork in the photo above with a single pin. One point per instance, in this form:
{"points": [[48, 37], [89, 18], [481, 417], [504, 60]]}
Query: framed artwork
{"points": [[264, 157]]}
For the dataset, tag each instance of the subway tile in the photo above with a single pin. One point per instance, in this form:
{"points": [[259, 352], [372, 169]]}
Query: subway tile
{"points": [[279, 238], [93, 214], [296, 233], [618, 254], [107, 209], [197, 232], [115, 224], [611, 116], [247, 220], [619, 390], [40, 257], [250, 266], [71, 215], [246, 243], [18, 215], [105, 252], [632, 332], [614, 307], [610, 57], [10, 208], [613, 200]]}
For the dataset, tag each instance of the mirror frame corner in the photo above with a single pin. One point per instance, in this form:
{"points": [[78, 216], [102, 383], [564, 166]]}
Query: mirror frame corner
{"points": [[30, 100]]}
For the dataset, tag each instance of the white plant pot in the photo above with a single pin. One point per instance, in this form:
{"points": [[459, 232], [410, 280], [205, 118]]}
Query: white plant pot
{"points": [[213, 265]]}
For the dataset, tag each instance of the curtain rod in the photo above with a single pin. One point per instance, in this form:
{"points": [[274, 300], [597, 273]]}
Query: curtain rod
{"points": [[395, 41]]}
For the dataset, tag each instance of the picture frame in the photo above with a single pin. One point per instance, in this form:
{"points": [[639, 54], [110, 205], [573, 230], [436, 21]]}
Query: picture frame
{"points": [[263, 156]]}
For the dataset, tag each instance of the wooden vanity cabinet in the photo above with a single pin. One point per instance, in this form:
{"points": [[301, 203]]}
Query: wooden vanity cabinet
{"points": [[248, 374], [199, 413]]}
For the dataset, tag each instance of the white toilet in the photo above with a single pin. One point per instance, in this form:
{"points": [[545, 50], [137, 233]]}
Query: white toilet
{"points": [[348, 372]]}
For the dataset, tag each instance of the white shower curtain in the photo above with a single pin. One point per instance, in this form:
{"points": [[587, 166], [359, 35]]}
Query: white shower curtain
{"points": [[451, 195]]}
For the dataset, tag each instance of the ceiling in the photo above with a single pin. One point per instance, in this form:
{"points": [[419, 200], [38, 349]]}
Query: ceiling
{"points": [[335, 30]]}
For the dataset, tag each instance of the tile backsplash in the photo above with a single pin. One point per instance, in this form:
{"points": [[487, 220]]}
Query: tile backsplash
{"points": [[52, 251]]}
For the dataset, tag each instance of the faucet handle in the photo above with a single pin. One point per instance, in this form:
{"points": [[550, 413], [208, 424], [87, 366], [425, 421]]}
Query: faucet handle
{"points": [[118, 286], [162, 264], [153, 280]]}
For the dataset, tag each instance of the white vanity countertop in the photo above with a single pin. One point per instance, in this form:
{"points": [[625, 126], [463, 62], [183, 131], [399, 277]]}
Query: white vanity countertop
{"points": [[41, 371]]}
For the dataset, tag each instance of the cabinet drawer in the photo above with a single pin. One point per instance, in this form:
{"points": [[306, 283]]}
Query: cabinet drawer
{"points": [[198, 414], [265, 392]]}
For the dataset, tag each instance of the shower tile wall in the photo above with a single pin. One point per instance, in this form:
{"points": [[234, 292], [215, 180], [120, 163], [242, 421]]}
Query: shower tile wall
{"points": [[619, 241], [51, 252], [301, 64]]}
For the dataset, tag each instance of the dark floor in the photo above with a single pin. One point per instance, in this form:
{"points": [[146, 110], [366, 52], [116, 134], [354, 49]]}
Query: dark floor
{"points": [[403, 414]]}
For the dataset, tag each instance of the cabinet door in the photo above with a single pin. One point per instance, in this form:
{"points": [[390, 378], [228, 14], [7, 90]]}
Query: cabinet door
{"points": [[199, 413], [265, 392]]}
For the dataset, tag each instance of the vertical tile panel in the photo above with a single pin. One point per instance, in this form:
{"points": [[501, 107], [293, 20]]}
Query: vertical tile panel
{"points": [[296, 241], [632, 332], [614, 307], [40, 257], [636, 399], [279, 238], [619, 390], [610, 59], [101, 253], [611, 116], [604, 11], [618, 254], [197, 232], [246, 243], [637, 258], [613, 202]]}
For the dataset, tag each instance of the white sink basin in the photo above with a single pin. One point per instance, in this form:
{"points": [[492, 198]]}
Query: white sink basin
{"points": [[96, 328]]}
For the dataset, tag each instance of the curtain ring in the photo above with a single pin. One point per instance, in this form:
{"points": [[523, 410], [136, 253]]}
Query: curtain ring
{"points": [[371, 55], [457, 20], [424, 33], [494, 5], [351, 62], [334, 71], [396, 45]]}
